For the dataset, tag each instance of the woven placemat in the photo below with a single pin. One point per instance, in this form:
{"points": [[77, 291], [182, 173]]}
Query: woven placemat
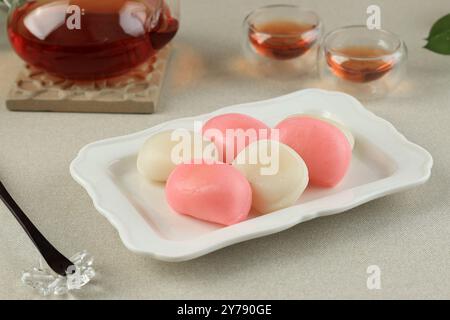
{"points": [[135, 92]]}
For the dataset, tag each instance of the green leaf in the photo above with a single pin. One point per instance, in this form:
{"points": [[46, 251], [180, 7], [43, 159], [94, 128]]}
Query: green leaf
{"points": [[439, 37], [442, 25], [440, 43]]}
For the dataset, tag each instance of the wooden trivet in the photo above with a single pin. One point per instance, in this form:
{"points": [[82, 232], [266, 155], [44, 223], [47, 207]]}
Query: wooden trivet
{"points": [[135, 92]]}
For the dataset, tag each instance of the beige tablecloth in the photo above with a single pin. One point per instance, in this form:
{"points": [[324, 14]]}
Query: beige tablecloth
{"points": [[407, 235]]}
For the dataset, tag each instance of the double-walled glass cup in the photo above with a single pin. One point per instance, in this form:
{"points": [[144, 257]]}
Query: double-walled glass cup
{"points": [[362, 62], [285, 34]]}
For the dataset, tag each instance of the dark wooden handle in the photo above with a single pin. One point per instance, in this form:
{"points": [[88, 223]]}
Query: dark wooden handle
{"points": [[53, 257]]}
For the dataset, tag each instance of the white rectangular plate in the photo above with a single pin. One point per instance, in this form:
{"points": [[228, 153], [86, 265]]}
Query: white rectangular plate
{"points": [[383, 162]]}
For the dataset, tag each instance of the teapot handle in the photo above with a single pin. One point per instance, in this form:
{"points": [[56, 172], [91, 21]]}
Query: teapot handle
{"points": [[5, 5]]}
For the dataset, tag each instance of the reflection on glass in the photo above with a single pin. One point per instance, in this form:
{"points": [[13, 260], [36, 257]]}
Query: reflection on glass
{"points": [[85, 39], [277, 37], [365, 63]]}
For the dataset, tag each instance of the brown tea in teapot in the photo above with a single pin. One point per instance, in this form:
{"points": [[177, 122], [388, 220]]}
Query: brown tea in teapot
{"points": [[86, 39]]}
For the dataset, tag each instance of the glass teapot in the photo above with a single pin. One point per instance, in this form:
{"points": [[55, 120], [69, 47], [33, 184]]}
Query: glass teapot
{"points": [[90, 39]]}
